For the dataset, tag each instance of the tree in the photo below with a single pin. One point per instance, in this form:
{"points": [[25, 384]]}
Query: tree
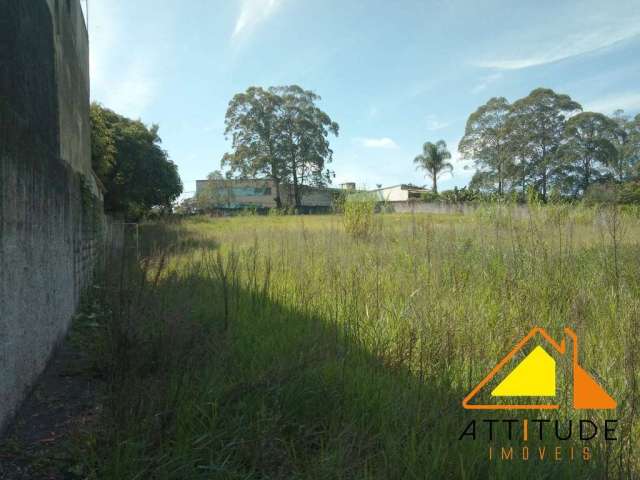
{"points": [[253, 120], [588, 148], [103, 140], [627, 142], [135, 171], [433, 161], [282, 134], [305, 133], [540, 118], [486, 141]]}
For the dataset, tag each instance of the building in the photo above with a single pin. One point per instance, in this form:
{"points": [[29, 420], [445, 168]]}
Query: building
{"points": [[351, 186], [399, 193], [235, 194]]}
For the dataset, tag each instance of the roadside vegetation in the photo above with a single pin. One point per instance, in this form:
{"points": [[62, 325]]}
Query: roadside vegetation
{"points": [[318, 347], [136, 173]]}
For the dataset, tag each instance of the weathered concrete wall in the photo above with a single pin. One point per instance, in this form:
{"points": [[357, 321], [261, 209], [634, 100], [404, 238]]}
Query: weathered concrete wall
{"points": [[50, 211], [72, 78], [447, 208]]}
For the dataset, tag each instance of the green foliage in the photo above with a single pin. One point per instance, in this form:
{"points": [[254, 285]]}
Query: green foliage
{"points": [[280, 133], [629, 193], [545, 142], [434, 161], [135, 171], [626, 165], [359, 215], [284, 348], [460, 195], [537, 122], [486, 140], [430, 196], [338, 200], [589, 146]]}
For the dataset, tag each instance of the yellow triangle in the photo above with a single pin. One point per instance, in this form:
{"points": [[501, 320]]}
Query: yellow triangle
{"points": [[535, 376]]}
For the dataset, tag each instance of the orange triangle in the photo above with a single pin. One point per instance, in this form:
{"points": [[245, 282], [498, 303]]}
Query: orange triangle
{"points": [[587, 393]]}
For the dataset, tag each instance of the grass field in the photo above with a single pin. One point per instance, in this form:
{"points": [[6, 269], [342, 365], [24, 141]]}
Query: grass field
{"points": [[285, 347]]}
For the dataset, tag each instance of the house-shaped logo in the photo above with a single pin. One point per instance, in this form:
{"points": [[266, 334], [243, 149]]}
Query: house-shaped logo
{"points": [[534, 377]]}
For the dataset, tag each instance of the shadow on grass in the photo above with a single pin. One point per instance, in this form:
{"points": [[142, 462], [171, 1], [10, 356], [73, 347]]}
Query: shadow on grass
{"points": [[156, 238], [211, 379]]}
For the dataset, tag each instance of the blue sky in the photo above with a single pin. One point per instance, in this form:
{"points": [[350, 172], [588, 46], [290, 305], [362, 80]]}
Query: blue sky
{"points": [[393, 74]]}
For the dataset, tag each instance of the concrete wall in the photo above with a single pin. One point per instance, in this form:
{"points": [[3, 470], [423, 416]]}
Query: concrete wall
{"points": [[50, 208], [519, 211]]}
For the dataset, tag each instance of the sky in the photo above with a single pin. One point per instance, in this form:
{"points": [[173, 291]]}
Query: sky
{"points": [[393, 74]]}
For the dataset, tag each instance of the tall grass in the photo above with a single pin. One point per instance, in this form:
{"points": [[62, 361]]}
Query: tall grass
{"points": [[287, 347], [359, 215]]}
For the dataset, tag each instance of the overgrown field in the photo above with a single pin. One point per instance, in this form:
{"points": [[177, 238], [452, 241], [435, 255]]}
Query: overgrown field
{"points": [[286, 347]]}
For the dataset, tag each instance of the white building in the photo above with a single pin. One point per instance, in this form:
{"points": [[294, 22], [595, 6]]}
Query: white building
{"points": [[399, 193]]}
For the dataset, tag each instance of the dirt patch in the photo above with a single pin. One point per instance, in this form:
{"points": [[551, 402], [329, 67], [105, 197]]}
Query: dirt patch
{"points": [[43, 440]]}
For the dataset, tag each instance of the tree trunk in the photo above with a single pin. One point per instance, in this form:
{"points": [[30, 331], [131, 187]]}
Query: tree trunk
{"points": [[587, 175], [296, 193], [296, 190], [278, 199], [276, 180], [434, 179]]}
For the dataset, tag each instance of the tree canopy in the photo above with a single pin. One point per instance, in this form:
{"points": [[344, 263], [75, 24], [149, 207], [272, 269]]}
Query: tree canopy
{"points": [[280, 133], [434, 161], [486, 139], [545, 142], [588, 148], [129, 161]]}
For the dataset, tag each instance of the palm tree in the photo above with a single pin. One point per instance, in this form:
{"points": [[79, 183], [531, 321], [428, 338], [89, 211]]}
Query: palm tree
{"points": [[433, 161]]}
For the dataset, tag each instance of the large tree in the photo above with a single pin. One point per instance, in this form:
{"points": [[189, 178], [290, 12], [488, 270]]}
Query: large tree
{"points": [[625, 165], [253, 120], [540, 118], [135, 171], [282, 134], [305, 138], [587, 150], [434, 161], [486, 141]]}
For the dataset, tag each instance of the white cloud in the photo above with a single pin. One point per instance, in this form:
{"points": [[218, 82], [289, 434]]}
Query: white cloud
{"points": [[133, 91], [629, 102], [384, 142], [252, 13], [554, 47], [486, 81], [122, 78], [434, 124]]}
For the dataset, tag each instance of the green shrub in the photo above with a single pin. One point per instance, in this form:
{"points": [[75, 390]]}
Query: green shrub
{"points": [[359, 211], [630, 193], [601, 194], [430, 196]]}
